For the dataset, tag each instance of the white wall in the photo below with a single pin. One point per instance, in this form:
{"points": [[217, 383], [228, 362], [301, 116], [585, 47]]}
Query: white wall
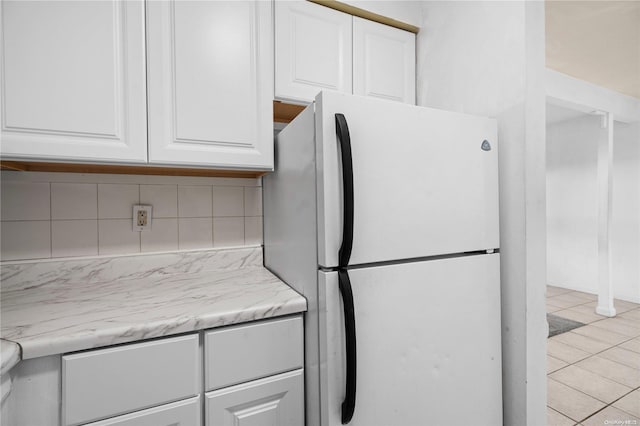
{"points": [[625, 247], [586, 97], [470, 56], [487, 58], [572, 209], [47, 215], [580, 95], [572, 203]]}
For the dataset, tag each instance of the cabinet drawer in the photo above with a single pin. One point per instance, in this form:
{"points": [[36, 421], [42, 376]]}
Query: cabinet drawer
{"points": [[113, 381], [273, 401], [181, 413], [247, 352]]}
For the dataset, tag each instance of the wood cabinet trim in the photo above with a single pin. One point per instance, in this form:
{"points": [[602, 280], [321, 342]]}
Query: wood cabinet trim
{"points": [[284, 112], [34, 166], [356, 11]]}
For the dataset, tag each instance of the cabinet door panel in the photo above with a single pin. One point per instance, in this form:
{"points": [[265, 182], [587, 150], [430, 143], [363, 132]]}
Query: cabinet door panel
{"points": [[383, 61], [313, 50], [181, 413], [273, 401], [210, 71], [113, 381], [73, 80]]}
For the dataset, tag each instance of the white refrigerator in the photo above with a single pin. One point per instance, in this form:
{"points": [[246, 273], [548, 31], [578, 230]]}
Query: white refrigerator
{"points": [[385, 217]]}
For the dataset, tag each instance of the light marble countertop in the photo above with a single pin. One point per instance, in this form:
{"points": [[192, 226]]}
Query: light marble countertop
{"points": [[53, 307]]}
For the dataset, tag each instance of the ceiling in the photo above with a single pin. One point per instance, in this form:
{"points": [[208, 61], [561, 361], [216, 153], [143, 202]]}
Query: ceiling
{"points": [[597, 41], [558, 114]]}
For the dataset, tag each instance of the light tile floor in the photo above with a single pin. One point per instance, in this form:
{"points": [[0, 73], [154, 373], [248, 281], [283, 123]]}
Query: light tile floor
{"points": [[593, 372]]}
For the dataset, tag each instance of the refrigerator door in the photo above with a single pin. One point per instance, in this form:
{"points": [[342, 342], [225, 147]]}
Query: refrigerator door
{"points": [[425, 181], [427, 339]]}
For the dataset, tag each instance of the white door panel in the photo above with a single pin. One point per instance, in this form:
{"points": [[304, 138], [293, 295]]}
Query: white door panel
{"points": [[422, 184], [73, 77], [272, 401], [428, 337], [384, 61], [313, 50]]}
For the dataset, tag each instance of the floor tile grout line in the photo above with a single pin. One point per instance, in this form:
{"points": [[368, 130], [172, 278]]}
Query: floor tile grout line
{"points": [[592, 301], [613, 402], [562, 414], [592, 355], [603, 329], [577, 390], [577, 366], [599, 341], [610, 346], [593, 397]]}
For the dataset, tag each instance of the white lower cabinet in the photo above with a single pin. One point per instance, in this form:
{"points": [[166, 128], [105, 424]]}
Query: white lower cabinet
{"points": [[113, 381], [247, 352], [272, 401], [181, 413], [247, 374]]}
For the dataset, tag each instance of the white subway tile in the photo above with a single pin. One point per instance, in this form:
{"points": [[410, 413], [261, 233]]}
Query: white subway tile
{"points": [[25, 201], [163, 235], [253, 230], [74, 201], [194, 233], [91, 214], [74, 238], [163, 198], [194, 201], [228, 231], [25, 240], [228, 201], [117, 201], [252, 201], [116, 236]]}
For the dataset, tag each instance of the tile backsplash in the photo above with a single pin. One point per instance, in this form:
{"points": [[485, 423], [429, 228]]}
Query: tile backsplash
{"points": [[54, 215]]}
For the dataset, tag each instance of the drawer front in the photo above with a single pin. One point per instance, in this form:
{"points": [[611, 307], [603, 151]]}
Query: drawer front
{"points": [[273, 401], [242, 353], [113, 381], [181, 413]]}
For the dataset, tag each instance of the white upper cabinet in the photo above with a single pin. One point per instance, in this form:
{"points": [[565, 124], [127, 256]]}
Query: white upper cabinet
{"points": [[313, 50], [383, 61], [73, 80], [318, 48], [210, 78]]}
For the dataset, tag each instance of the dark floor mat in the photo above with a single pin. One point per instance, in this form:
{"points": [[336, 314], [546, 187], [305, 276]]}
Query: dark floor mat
{"points": [[559, 325]]}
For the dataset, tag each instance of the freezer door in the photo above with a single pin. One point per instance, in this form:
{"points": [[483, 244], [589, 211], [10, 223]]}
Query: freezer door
{"points": [[427, 339], [425, 182]]}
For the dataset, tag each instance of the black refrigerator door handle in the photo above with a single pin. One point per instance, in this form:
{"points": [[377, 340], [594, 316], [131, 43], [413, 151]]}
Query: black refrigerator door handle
{"points": [[342, 131], [349, 403], [344, 140]]}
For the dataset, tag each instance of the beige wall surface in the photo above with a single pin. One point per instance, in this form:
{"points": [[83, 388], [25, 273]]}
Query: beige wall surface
{"points": [[596, 41]]}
